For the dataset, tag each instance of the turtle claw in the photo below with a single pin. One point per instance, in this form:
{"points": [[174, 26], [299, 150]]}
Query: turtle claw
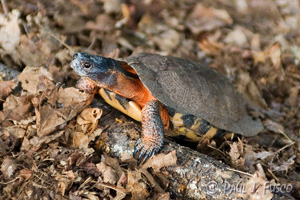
{"points": [[137, 148], [145, 150]]}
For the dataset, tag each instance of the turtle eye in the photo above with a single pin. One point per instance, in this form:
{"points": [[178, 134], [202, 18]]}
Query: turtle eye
{"points": [[86, 65]]}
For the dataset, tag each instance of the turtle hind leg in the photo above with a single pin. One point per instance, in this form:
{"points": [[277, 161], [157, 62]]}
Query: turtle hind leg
{"points": [[152, 132]]}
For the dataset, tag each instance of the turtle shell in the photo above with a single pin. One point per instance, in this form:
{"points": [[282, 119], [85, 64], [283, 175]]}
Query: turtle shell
{"points": [[194, 88]]}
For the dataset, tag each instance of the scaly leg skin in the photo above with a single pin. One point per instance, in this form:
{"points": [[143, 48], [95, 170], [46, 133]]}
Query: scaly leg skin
{"points": [[152, 132]]}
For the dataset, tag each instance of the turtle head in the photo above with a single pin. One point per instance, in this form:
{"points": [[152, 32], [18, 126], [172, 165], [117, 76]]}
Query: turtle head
{"points": [[93, 66]]}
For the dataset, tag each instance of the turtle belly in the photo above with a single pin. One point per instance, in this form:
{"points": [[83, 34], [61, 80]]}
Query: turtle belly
{"points": [[186, 126], [193, 128]]}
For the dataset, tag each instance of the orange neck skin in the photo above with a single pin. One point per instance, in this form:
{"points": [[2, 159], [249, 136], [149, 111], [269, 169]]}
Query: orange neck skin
{"points": [[130, 88]]}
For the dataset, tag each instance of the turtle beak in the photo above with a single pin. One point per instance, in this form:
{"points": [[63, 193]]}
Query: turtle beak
{"points": [[75, 56]]}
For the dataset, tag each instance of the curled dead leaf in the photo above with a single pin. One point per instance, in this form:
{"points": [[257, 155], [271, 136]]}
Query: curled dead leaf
{"points": [[237, 154], [88, 119]]}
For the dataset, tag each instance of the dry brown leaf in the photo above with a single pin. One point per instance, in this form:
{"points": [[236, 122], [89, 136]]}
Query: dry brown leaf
{"points": [[167, 40], [121, 184], [161, 160], [237, 154], [250, 91], [162, 196], [62, 187], [151, 180], [25, 173], [250, 159], [70, 174], [63, 183], [146, 22], [293, 98], [114, 163], [88, 119], [112, 6], [108, 173], [259, 57], [31, 79], [255, 43], [2, 117], [211, 47], [16, 131], [25, 122], [136, 186], [37, 141], [16, 108], [8, 167], [70, 23], [62, 106], [273, 126], [207, 19], [282, 166], [263, 154], [237, 37], [275, 55], [10, 33], [6, 88], [103, 23], [79, 140], [30, 51], [256, 188]]}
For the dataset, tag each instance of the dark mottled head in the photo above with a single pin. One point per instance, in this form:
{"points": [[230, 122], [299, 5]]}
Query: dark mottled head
{"points": [[88, 65]]}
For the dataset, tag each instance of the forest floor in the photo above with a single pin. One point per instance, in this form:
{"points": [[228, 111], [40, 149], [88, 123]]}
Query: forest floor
{"points": [[48, 132]]}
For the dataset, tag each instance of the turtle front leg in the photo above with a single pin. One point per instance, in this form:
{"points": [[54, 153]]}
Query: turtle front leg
{"points": [[152, 132], [87, 86]]}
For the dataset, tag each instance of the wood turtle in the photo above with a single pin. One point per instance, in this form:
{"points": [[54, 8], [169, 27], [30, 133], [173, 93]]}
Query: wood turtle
{"points": [[166, 92]]}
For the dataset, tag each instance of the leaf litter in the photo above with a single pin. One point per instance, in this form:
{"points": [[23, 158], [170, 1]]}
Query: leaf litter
{"points": [[47, 128]]}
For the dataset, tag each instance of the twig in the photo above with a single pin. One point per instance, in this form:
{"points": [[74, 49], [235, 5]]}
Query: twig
{"points": [[4, 7], [6, 183], [273, 175], [62, 42], [235, 170], [106, 185], [286, 146]]}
